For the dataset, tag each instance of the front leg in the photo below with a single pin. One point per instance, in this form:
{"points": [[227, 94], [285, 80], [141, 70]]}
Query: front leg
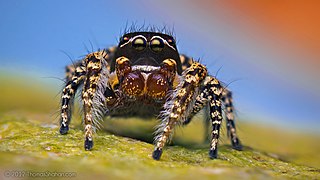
{"points": [[179, 104], [94, 87]]}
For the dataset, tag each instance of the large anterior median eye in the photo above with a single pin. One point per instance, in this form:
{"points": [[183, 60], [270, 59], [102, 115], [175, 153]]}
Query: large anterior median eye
{"points": [[156, 44], [139, 43]]}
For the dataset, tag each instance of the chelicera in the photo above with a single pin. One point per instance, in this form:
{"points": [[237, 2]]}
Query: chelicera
{"points": [[146, 76]]}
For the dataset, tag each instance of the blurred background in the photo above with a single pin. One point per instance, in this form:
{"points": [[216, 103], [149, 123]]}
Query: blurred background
{"points": [[268, 52]]}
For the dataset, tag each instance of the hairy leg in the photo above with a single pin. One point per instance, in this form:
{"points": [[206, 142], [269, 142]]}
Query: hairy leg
{"points": [[200, 103], [229, 113], [179, 104], [185, 61], [74, 79], [226, 97], [95, 63], [210, 99], [72, 68], [75, 75], [215, 112]]}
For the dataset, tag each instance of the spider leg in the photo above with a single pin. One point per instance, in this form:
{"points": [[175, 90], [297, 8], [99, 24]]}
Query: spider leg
{"points": [[229, 113], [215, 112], [200, 103], [94, 87], [74, 77], [226, 97], [72, 69], [210, 97], [185, 61], [179, 104]]}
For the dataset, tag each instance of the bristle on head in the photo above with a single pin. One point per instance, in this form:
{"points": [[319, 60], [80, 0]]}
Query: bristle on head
{"points": [[134, 27]]}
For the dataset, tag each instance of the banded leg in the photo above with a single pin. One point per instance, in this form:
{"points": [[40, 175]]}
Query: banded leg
{"points": [[215, 112], [179, 105], [210, 96], [200, 103], [229, 114], [185, 61], [94, 66], [72, 68], [74, 79]]}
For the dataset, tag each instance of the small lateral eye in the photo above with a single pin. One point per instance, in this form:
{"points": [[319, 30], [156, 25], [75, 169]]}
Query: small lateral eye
{"points": [[139, 44], [157, 45], [171, 42], [124, 40]]}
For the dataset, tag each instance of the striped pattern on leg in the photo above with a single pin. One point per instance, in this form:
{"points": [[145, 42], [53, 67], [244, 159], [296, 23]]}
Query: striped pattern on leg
{"points": [[200, 103], [179, 105], [186, 61], [93, 66], [229, 114], [68, 93], [215, 112]]}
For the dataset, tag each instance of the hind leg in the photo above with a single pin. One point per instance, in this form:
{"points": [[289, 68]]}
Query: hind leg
{"points": [[229, 114], [74, 78]]}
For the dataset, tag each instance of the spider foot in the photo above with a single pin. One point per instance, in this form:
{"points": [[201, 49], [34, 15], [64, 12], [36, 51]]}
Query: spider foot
{"points": [[157, 154], [213, 153], [236, 144], [88, 144], [64, 129]]}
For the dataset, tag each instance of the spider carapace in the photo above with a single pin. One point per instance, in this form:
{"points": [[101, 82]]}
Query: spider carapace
{"points": [[146, 76]]}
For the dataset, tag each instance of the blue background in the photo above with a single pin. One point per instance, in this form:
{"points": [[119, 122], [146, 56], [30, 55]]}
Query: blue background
{"points": [[35, 34]]}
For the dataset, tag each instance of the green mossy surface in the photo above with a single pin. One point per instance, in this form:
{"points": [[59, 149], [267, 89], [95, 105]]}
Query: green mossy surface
{"points": [[33, 146], [29, 141]]}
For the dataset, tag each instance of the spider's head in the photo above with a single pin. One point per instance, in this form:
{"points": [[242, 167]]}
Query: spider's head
{"points": [[148, 49]]}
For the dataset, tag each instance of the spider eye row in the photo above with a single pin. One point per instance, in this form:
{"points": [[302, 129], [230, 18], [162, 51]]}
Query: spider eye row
{"points": [[156, 44], [140, 43]]}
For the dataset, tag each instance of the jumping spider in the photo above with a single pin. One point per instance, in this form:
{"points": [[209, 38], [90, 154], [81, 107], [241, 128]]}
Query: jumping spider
{"points": [[145, 75]]}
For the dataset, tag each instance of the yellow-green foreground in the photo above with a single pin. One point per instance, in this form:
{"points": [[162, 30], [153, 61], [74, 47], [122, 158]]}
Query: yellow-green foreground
{"points": [[30, 142]]}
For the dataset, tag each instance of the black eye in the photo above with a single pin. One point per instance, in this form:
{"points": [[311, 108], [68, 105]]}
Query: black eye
{"points": [[123, 40], [171, 42], [139, 44], [157, 45]]}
